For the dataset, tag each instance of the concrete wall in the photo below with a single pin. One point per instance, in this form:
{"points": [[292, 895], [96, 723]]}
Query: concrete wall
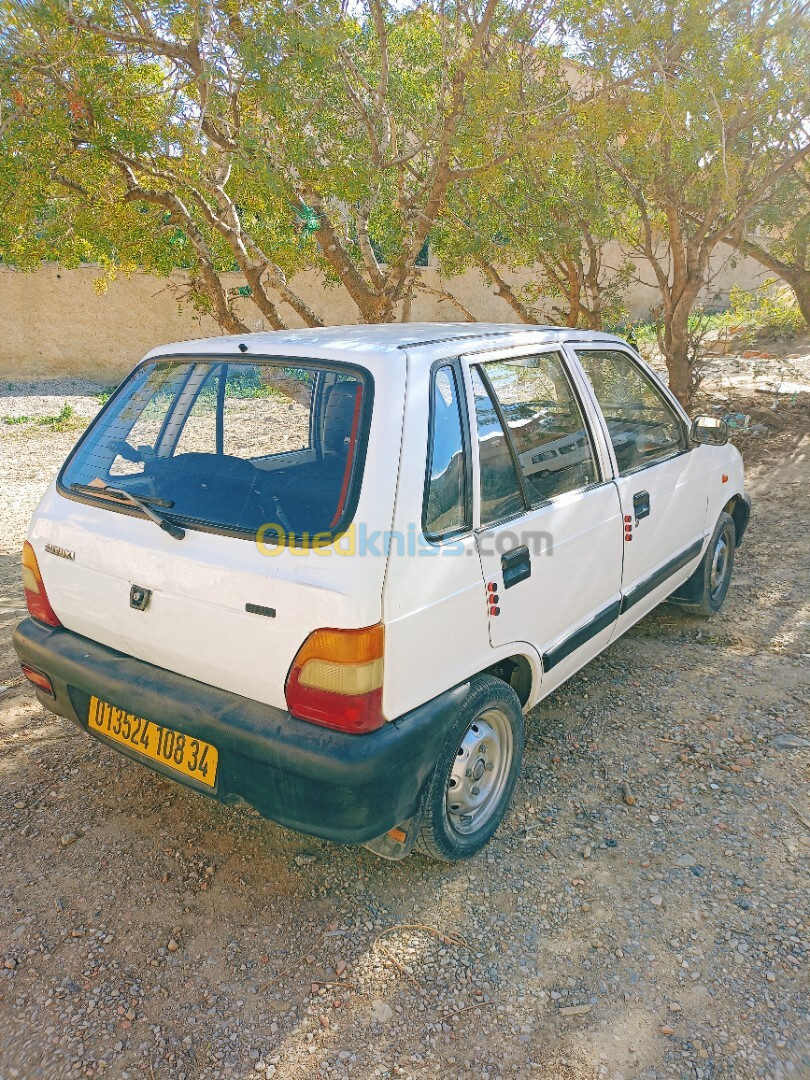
{"points": [[53, 323]]}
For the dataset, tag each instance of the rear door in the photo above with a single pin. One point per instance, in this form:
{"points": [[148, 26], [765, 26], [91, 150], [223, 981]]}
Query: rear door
{"points": [[549, 521], [661, 482]]}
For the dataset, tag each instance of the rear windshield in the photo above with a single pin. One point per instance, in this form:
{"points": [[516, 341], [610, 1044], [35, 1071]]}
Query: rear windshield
{"points": [[235, 446]]}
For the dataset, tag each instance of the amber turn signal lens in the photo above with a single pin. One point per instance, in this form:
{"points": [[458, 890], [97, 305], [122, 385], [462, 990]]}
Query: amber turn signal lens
{"points": [[39, 606], [343, 646]]}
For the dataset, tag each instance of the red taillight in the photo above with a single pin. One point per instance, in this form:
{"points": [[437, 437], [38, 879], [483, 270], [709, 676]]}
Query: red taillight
{"points": [[39, 606], [38, 679], [336, 679]]}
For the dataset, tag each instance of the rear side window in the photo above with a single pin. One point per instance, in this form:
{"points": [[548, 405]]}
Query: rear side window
{"points": [[501, 496], [232, 445], [447, 503], [545, 424]]}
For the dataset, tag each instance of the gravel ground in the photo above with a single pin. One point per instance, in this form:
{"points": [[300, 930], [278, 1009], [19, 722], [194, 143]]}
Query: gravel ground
{"points": [[146, 932]]}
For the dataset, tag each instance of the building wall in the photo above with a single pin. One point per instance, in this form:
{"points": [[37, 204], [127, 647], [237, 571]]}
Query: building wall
{"points": [[53, 322]]}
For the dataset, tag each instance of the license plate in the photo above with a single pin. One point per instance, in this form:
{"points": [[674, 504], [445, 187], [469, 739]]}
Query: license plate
{"points": [[186, 755]]}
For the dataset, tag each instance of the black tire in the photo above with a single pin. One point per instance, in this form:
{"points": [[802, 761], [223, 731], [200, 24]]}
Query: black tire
{"points": [[708, 586], [492, 714]]}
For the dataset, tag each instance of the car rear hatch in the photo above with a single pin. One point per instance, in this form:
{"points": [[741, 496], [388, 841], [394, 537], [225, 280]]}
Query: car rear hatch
{"points": [[261, 466]]}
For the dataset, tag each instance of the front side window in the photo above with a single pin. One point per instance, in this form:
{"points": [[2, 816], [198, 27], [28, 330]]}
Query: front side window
{"points": [[501, 496], [233, 445], [643, 426], [545, 424], [446, 499]]}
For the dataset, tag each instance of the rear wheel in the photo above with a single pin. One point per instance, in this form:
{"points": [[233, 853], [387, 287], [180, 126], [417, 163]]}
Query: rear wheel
{"points": [[475, 776], [709, 583]]}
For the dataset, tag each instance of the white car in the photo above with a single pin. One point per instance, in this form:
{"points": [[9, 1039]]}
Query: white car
{"points": [[320, 570]]}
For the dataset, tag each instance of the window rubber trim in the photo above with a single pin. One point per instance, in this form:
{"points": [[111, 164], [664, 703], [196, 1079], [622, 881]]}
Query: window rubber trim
{"points": [[493, 397], [216, 528], [464, 422]]}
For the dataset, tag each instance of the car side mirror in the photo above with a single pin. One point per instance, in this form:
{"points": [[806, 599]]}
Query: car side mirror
{"points": [[707, 431]]}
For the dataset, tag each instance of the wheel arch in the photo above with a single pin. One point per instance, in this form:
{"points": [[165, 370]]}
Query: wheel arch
{"points": [[738, 508], [516, 671]]}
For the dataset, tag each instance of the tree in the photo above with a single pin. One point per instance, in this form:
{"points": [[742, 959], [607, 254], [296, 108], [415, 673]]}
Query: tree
{"points": [[267, 137], [712, 121], [555, 213], [778, 234]]}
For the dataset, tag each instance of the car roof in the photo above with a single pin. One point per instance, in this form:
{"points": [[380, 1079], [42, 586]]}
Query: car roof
{"points": [[336, 342]]}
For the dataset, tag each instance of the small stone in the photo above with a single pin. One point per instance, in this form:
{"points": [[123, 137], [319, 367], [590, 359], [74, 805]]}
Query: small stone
{"points": [[575, 1010], [340, 968], [674, 1007], [173, 945], [20, 805], [130, 1014], [686, 860], [667, 1030], [381, 1012], [68, 838], [785, 741], [656, 900], [627, 794], [10, 964]]}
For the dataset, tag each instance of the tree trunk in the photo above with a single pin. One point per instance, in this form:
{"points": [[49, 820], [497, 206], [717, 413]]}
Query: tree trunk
{"points": [[794, 274], [677, 359], [676, 346], [801, 287], [593, 313], [574, 291], [675, 341]]}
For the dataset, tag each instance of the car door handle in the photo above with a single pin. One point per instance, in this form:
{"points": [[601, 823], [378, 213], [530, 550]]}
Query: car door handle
{"points": [[516, 566], [641, 505]]}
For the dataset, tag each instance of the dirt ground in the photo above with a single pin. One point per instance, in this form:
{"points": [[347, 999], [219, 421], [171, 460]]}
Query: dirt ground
{"points": [[146, 932]]}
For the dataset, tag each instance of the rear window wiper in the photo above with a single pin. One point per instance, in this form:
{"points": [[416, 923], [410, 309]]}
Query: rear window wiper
{"points": [[121, 494]]}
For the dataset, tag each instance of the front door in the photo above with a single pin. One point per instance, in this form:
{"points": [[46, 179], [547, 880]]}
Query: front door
{"points": [[549, 524], [661, 481]]}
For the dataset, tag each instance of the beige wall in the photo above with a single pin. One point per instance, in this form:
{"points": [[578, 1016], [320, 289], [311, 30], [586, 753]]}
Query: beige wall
{"points": [[53, 323]]}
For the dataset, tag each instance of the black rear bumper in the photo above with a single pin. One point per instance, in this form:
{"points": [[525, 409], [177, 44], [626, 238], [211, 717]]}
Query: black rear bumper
{"points": [[348, 788]]}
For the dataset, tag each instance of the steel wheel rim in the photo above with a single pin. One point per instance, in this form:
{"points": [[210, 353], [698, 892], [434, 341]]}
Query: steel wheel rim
{"points": [[721, 560], [480, 772]]}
